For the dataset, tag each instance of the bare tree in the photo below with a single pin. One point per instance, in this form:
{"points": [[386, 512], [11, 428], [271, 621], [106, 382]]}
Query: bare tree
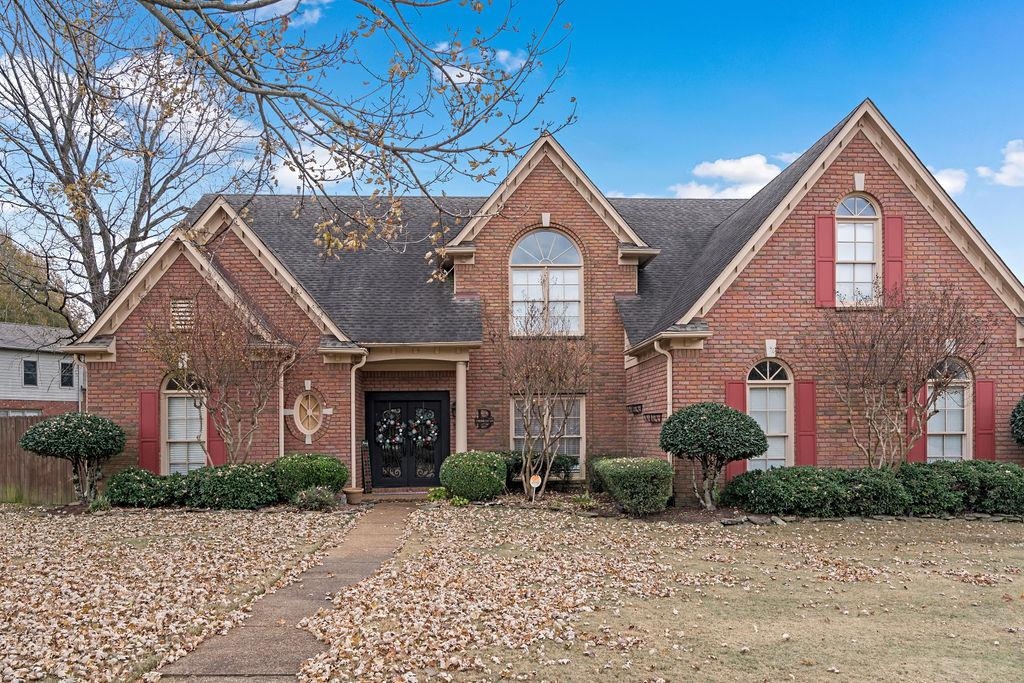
{"points": [[226, 357], [888, 365], [546, 372], [102, 149], [406, 95]]}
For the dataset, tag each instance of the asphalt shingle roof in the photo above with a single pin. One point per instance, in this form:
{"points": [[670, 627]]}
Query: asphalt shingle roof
{"points": [[32, 337], [383, 294]]}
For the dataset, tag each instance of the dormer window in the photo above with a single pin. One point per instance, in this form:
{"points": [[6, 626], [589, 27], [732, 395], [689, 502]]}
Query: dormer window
{"points": [[857, 251], [546, 291]]}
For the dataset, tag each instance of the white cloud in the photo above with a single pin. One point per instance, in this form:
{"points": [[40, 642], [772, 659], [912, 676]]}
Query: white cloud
{"points": [[1011, 173], [954, 180], [308, 13], [510, 61], [786, 157], [739, 178]]}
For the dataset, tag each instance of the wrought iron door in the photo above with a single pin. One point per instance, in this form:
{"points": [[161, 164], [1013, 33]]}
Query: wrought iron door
{"points": [[408, 437]]}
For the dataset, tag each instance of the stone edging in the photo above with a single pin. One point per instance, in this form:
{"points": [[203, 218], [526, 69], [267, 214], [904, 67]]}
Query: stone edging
{"points": [[767, 520]]}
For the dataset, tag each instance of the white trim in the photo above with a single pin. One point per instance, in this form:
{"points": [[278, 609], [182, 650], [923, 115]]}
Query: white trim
{"points": [[582, 398], [165, 455], [967, 384], [868, 119], [546, 147], [788, 384]]}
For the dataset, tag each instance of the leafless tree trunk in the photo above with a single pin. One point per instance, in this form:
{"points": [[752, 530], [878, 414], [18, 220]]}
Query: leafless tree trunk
{"points": [[889, 364], [102, 148], [546, 375]]}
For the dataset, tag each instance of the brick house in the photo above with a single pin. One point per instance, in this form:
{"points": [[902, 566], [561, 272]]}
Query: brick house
{"points": [[684, 300]]}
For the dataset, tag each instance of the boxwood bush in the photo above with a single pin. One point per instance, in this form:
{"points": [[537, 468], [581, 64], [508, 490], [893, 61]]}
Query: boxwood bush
{"points": [[230, 487], [475, 475], [138, 488], [642, 486], [300, 471], [920, 489]]}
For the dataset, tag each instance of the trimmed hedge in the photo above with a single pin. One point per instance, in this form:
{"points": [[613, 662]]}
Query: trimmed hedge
{"points": [[300, 471], [935, 489], [642, 486], [561, 468], [138, 488], [228, 487], [475, 475]]}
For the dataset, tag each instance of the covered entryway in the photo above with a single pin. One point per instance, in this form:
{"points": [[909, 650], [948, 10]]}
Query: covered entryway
{"points": [[408, 437]]}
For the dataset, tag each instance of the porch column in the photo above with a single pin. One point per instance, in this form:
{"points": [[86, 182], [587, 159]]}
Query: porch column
{"points": [[461, 411]]}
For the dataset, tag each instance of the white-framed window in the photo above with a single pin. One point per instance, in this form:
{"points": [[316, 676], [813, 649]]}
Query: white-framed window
{"points": [[858, 232], [770, 403], [571, 442], [546, 285], [950, 426], [184, 431], [30, 373]]}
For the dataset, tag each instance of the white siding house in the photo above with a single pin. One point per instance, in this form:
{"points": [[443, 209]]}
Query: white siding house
{"points": [[33, 373]]}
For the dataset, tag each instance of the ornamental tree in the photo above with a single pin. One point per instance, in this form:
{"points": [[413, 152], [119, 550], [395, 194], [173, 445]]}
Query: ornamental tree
{"points": [[712, 435], [86, 441]]}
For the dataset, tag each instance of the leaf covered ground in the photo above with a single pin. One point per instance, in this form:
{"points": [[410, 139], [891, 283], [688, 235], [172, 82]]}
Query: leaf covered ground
{"points": [[496, 593], [104, 597]]}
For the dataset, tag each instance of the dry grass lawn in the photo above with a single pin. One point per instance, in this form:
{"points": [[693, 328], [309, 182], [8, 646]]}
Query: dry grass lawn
{"points": [[488, 593]]}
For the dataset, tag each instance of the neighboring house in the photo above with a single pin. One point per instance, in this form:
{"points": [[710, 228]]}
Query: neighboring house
{"points": [[684, 299], [36, 378]]}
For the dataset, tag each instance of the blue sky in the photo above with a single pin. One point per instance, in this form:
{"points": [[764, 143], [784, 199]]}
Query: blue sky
{"points": [[667, 88]]}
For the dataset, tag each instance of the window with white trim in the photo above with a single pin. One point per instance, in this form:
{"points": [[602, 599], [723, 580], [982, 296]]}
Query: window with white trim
{"points": [[857, 250], [949, 426], [571, 441], [546, 285], [184, 430], [770, 403]]}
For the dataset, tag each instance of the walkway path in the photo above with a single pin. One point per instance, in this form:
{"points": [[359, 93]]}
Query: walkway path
{"points": [[267, 647]]}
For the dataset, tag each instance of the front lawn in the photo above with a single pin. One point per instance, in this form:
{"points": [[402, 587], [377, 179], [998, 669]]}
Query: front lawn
{"points": [[503, 593], [104, 597]]}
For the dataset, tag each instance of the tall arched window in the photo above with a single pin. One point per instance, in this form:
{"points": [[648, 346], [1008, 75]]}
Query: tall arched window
{"points": [[858, 238], [546, 291], [184, 430], [949, 427], [770, 402]]}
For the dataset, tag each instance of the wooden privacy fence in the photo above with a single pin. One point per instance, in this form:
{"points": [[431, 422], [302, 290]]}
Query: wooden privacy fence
{"points": [[29, 478]]}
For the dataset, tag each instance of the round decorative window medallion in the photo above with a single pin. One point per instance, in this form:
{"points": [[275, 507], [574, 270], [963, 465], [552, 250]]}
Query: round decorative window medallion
{"points": [[309, 413]]}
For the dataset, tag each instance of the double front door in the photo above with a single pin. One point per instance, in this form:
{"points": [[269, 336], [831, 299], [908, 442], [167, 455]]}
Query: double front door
{"points": [[408, 437]]}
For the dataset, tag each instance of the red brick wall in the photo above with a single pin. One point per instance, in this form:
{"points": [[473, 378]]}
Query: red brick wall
{"points": [[547, 190], [645, 384], [774, 299], [49, 408]]}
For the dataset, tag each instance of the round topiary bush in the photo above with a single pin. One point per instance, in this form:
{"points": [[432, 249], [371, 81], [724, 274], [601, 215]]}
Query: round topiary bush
{"points": [[86, 441], [138, 488], [1017, 422], [299, 471], [476, 475], [712, 435]]}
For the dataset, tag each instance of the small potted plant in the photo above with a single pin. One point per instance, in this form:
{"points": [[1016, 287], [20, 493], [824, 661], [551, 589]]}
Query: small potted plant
{"points": [[353, 495]]}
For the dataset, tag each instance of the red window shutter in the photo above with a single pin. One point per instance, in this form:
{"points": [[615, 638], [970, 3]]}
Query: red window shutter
{"points": [[984, 420], [919, 451], [736, 397], [892, 240], [149, 431], [806, 424], [215, 449], [825, 261]]}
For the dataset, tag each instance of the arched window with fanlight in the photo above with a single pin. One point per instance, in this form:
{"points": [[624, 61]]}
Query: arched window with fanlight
{"points": [[770, 403], [546, 285], [949, 427], [858, 250]]}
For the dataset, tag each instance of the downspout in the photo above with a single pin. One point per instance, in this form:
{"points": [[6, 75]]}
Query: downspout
{"points": [[280, 395], [668, 383], [352, 414]]}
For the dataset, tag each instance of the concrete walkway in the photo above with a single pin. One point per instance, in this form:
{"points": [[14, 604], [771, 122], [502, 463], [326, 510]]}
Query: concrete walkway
{"points": [[268, 647]]}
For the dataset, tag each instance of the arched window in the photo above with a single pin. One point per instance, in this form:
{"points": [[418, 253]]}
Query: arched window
{"points": [[858, 238], [770, 402], [546, 285], [184, 428], [949, 427]]}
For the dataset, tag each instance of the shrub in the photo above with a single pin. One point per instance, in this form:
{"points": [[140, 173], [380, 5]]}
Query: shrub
{"points": [[458, 501], [1017, 422], [99, 504], [299, 471], [933, 489], [738, 491], [230, 487], [316, 498], [476, 475], [712, 435], [439, 493], [642, 486], [138, 488], [809, 491], [877, 492], [966, 476], [1002, 489], [561, 466], [86, 441]]}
